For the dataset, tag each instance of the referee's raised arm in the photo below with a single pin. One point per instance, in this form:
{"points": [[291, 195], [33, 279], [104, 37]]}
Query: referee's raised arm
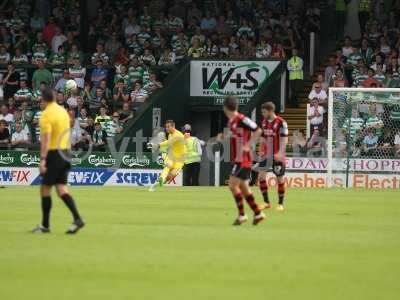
{"points": [[54, 161]]}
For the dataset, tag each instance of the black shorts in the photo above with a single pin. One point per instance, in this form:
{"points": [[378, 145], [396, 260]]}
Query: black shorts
{"points": [[240, 172], [277, 167], [58, 167]]}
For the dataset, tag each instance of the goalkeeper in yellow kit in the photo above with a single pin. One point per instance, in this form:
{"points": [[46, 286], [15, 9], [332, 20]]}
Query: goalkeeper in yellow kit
{"points": [[175, 153]]}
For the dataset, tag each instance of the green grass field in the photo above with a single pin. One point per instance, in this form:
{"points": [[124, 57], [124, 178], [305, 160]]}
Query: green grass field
{"points": [[179, 244]]}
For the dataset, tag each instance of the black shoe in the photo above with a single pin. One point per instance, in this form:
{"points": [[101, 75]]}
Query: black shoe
{"points": [[40, 229], [75, 227]]}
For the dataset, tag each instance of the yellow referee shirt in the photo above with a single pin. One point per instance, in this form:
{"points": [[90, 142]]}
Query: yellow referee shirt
{"points": [[175, 143], [55, 120]]}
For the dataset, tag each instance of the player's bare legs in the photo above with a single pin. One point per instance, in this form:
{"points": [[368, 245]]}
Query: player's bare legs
{"points": [[248, 195], [62, 192], [281, 192], [234, 186], [262, 176]]}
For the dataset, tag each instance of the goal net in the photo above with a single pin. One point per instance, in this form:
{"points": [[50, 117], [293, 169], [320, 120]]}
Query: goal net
{"points": [[363, 145]]}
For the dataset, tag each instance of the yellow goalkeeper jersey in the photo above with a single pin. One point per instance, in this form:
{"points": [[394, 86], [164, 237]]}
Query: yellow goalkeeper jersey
{"points": [[175, 146]]}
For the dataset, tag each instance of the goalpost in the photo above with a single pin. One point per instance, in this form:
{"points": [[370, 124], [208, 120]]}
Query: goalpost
{"points": [[363, 125]]}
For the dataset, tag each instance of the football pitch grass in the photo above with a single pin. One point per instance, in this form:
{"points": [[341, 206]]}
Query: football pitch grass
{"points": [[178, 243]]}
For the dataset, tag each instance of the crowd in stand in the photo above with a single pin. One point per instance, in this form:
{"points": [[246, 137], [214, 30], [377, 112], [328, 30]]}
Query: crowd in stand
{"points": [[130, 47], [372, 61]]}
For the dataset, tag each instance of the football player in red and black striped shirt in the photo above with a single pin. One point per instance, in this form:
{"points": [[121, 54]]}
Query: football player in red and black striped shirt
{"points": [[243, 132], [273, 150]]}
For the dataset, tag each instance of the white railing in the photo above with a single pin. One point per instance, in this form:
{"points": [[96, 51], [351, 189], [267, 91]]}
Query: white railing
{"points": [[308, 132]]}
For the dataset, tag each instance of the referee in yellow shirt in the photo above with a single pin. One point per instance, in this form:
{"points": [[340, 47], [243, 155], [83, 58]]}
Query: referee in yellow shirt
{"points": [[54, 161]]}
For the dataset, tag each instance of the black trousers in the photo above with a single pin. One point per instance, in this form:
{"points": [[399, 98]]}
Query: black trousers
{"points": [[294, 87], [191, 174]]}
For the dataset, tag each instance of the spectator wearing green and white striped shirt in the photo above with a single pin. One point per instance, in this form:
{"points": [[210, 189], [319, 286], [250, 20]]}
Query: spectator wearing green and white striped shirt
{"points": [[245, 29], [83, 118], [357, 69], [39, 43], [146, 75], [113, 126], [100, 54], [138, 95], [133, 45], [374, 121], [144, 35], [57, 62], [19, 57], [174, 23], [24, 93], [354, 57], [15, 23], [366, 51], [160, 22], [135, 70], [78, 73], [180, 45], [35, 121], [18, 60], [122, 76], [39, 55], [361, 77], [354, 125]]}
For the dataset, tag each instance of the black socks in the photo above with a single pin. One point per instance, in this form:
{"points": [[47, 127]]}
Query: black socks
{"points": [[70, 203], [46, 207]]}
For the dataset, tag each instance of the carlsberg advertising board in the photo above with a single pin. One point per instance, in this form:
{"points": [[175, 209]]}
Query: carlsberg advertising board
{"points": [[96, 168], [222, 78], [92, 160]]}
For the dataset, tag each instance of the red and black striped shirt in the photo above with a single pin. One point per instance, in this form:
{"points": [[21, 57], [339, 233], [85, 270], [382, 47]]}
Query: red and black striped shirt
{"points": [[241, 127], [273, 131]]}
